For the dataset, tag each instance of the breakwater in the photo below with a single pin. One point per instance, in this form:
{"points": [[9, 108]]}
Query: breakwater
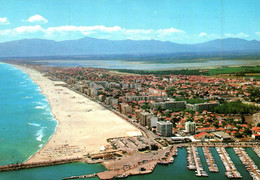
{"points": [[19, 166]]}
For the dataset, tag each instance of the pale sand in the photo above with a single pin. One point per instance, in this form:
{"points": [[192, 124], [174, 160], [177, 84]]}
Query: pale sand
{"points": [[83, 125]]}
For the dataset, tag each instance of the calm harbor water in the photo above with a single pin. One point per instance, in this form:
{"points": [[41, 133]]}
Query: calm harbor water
{"points": [[143, 65], [26, 124]]}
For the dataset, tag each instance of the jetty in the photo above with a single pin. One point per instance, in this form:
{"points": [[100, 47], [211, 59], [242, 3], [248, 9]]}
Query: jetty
{"points": [[19, 166], [190, 159], [231, 171], [212, 166], [199, 171], [248, 163], [194, 162], [81, 177], [257, 151]]}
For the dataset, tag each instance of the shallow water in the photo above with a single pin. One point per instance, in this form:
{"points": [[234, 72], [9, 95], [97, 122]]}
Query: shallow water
{"points": [[26, 122], [143, 65]]}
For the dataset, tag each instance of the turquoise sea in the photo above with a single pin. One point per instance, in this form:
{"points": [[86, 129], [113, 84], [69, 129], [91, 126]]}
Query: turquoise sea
{"points": [[26, 124]]}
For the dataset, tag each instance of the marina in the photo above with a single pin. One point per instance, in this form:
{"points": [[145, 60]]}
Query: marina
{"points": [[248, 163], [177, 168], [231, 171], [212, 166], [257, 151], [194, 162]]}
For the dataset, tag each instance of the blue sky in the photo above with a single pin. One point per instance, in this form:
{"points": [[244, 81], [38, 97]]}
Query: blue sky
{"points": [[181, 21]]}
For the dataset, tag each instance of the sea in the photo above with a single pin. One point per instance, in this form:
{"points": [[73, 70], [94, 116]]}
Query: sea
{"points": [[26, 124]]}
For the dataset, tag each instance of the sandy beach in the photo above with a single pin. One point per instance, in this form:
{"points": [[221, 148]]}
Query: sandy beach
{"points": [[83, 125]]}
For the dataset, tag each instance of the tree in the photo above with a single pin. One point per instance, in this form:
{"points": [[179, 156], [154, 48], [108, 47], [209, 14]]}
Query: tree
{"points": [[238, 135], [247, 132], [216, 124]]}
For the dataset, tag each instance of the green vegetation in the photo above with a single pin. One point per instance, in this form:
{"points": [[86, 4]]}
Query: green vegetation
{"points": [[238, 135], [145, 106], [255, 94], [242, 70], [247, 132], [238, 71], [164, 72], [235, 108]]}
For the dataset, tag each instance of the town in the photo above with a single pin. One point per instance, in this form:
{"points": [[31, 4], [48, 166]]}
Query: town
{"points": [[197, 107], [171, 111]]}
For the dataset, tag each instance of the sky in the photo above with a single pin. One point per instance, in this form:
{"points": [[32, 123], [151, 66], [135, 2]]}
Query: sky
{"points": [[180, 21]]}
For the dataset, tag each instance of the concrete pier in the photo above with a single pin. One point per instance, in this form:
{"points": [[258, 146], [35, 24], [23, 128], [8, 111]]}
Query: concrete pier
{"points": [[231, 171], [37, 164], [81, 177], [248, 162], [210, 160]]}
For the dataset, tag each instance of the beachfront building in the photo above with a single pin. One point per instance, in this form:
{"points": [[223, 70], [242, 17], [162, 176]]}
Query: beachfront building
{"points": [[125, 108], [138, 115], [190, 127], [152, 122], [164, 128], [144, 116]]}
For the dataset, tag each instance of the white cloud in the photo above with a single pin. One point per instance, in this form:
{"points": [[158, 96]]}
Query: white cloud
{"points": [[128, 33], [239, 35], [22, 30], [82, 29], [28, 29], [169, 31], [203, 34], [113, 32], [137, 31], [37, 18], [4, 20]]}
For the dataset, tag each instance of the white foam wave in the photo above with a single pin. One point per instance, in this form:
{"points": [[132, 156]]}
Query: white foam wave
{"points": [[34, 124], [39, 107], [39, 135], [40, 145], [27, 97], [38, 89], [40, 103]]}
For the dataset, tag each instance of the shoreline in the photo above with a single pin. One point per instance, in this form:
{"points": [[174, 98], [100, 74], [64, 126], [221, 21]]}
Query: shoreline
{"points": [[86, 132]]}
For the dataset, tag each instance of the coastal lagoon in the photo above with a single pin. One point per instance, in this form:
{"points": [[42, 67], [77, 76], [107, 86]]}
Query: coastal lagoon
{"points": [[145, 65]]}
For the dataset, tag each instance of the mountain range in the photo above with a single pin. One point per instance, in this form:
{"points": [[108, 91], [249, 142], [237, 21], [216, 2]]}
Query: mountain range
{"points": [[92, 46]]}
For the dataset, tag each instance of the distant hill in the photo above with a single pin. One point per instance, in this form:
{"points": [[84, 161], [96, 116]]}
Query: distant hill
{"points": [[91, 46]]}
